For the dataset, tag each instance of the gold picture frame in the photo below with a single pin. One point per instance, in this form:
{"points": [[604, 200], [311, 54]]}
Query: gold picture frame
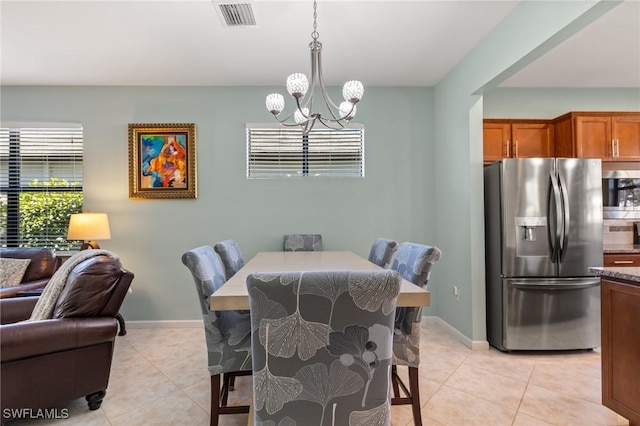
{"points": [[162, 160]]}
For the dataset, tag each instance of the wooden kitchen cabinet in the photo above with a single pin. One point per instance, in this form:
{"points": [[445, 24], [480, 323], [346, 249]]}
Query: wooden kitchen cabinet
{"points": [[621, 259], [513, 138], [608, 136], [620, 304]]}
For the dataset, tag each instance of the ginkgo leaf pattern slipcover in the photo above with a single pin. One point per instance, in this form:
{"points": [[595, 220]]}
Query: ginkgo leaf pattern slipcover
{"points": [[323, 353], [227, 332], [302, 242], [231, 256], [413, 262]]}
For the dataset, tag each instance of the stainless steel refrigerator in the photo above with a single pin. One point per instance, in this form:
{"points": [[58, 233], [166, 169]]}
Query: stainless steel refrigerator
{"points": [[543, 230]]}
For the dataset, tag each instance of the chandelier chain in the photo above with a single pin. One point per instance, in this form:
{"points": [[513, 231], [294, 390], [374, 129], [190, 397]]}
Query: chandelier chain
{"points": [[315, 34]]}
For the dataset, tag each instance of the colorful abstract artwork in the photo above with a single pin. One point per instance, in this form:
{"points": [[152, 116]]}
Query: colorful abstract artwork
{"points": [[162, 161]]}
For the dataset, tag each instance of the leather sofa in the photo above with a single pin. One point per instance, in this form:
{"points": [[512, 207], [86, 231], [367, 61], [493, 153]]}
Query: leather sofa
{"points": [[41, 268], [45, 364]]}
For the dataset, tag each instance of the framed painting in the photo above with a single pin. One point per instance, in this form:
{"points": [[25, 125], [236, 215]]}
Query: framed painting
{"points": [[162, 161]]}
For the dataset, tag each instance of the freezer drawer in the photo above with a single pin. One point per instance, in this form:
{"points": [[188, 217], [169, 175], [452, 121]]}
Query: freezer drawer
{"points": [[551, 314]]}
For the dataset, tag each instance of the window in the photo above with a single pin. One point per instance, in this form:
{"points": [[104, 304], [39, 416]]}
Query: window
{"points": [[276, 152], [40, 185]]}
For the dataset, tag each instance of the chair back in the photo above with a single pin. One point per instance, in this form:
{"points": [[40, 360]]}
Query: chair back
{"points": [[231, 256], [227, 332], [302, 242], [413, 262], [322, 337], [95, 287], [382, 251]]}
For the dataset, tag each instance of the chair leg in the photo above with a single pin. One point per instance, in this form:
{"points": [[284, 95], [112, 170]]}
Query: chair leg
{"points": [[415, 395], [232, 382], [120, 320], [226, 378], [215, 399], [394, 381]]}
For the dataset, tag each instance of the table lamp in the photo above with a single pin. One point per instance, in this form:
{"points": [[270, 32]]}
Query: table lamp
{"points": [[89, 227]]}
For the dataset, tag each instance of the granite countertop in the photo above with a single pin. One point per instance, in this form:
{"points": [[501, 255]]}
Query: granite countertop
{"points": [[631, 273], [621, 248]]}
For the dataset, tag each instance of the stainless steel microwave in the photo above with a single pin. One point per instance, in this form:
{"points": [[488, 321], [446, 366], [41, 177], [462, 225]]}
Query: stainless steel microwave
{"points": [[621, 194]]}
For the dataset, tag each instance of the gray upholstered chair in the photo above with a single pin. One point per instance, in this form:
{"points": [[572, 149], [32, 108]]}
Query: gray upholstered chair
{"points": [[382, 251], [302, 242], [231, 256], [324, 356], [228, 333], [413, 262]]}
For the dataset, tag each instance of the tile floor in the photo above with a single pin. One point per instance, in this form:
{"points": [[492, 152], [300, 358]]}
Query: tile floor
{"points": [[159, 377]]}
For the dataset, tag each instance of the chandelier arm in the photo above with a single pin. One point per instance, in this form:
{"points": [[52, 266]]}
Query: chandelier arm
{"points": [[330, 124]]}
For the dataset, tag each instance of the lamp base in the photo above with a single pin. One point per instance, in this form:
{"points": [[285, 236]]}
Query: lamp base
{"points": [[89, 245]]}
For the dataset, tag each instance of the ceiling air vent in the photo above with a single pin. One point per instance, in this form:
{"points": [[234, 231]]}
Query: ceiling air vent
{"points": [[235, 14]]}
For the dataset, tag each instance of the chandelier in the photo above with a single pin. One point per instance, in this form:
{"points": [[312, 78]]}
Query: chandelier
{"points": [[335, 117]]}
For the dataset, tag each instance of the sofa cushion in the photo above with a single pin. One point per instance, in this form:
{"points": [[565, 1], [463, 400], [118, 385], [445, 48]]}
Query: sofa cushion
{"points": [[43, 262], [12, 271]]}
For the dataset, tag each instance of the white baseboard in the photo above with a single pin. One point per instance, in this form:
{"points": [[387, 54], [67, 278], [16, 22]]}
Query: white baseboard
{"points": [[474, 345], [165, 324]]}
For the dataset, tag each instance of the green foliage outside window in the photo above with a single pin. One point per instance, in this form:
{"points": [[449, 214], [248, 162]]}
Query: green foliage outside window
{"points": [[44, 215]]}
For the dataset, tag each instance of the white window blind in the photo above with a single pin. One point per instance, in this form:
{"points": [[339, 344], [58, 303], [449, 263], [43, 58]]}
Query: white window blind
{"points": [[41, 181], [277, 152]]}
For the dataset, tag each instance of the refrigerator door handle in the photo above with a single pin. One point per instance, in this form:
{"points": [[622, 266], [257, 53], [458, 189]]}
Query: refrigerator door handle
{"points": [[554, 228], [565, 218], [555, 286]]}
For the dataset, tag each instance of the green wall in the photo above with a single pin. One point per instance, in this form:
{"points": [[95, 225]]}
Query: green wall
{"points": [[507, 102], [151, 235], [532, 29]]}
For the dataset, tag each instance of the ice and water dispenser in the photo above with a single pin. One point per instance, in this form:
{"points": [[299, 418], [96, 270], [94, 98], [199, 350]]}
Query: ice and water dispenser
{"points": [[531, 236]]}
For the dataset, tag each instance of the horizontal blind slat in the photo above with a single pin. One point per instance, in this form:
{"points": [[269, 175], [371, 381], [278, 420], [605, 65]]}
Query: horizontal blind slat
{"points": [[282, 152]]}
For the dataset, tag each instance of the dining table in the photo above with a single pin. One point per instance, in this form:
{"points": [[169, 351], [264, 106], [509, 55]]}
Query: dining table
{"points": [[233, 294]]}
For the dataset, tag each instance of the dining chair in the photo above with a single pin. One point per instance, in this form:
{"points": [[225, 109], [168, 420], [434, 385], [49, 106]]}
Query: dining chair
{"points": [[413, 262], [325, 357], [227, 333], [302, 242], [231, 256], [382, 251]]}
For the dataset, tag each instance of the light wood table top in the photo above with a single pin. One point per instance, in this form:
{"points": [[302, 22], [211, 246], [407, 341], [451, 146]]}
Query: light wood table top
{"points": [[233, 294]]}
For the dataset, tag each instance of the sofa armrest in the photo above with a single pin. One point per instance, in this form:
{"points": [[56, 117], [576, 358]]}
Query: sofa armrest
{"points": [[12, 291], [16, 309], [32, 338]]}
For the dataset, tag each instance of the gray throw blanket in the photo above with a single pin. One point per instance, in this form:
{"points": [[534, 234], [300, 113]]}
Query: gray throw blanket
{"points": [[47, 301]]}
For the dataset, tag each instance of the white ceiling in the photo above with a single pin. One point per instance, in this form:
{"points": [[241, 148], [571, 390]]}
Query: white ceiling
{"points": [[382, 43]]}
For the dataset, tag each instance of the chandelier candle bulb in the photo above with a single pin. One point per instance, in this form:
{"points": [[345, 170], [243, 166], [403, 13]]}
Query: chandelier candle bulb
{"points": [[347, 110], [275, 103], [298, 85], [352, 91], [301, 116]]}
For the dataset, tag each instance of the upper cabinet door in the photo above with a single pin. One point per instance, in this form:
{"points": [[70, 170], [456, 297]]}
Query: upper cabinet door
{"points": [[626, 137], [532, 140], [593, 137], [496, 141]]}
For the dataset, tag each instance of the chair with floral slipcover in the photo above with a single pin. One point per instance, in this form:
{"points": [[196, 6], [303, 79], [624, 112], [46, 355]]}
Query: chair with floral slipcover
{"points": [[413, 262], [228, 333], [302, 242], [382, 251], [231, 256], [324, 356]]}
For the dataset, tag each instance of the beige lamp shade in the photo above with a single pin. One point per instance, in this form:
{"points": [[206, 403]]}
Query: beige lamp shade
{"points": [[89, 226]]}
